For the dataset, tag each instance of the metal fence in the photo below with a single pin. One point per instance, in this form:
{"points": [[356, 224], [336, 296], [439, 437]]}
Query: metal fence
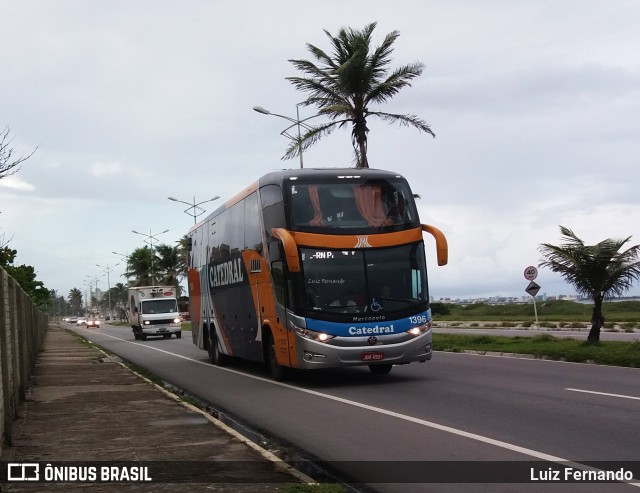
{"points": [[22, 329]]}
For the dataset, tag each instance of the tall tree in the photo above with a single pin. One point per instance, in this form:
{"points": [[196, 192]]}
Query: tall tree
{"points": [[599, 271], [75, 300], [141, 267], [119, 299], [168, 265], [346, 84]]}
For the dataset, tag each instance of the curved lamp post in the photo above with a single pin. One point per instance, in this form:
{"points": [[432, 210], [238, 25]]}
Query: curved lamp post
{"points": [[194, 210], [296, 122]]}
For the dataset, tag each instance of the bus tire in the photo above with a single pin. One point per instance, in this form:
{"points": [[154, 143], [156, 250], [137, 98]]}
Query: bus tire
{"points": [[215, 355], [380, 369], [278, 372], [178, 335]]}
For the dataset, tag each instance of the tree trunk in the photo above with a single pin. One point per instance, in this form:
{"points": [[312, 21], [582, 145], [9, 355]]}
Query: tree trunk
{"points": [[597, 320], [360, 142]]}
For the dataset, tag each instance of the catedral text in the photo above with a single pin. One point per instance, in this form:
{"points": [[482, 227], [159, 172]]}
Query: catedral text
{"points": [[226, 273]]}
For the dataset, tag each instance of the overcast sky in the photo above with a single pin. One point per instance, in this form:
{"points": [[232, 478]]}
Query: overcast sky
{"points": [[535, 104]]}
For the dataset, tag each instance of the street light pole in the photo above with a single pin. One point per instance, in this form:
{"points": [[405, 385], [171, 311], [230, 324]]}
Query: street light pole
{"points": [[151, 238], [91, 280], [194, 210], [296, 122], [108, 269], [125, 259]]}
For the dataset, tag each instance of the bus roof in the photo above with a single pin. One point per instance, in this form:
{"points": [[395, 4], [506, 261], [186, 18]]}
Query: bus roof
{"points": [[278, 177], [281, 176]]}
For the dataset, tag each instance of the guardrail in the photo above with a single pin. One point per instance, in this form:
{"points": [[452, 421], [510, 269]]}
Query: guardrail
{"points": [[22, 329]]}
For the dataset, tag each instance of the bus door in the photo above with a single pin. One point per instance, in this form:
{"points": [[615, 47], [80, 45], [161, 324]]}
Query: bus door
{"points": [[284, 339]]}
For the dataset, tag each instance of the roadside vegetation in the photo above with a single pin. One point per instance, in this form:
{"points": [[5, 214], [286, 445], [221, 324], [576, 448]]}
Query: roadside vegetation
{"points": [[622, 312], [623, 316], [545, 346]]}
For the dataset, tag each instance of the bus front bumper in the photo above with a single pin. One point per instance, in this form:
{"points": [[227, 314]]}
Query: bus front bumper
{"points": [[354, 352]]}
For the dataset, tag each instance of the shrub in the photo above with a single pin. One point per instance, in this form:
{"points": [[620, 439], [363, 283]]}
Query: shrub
{"points": [[440, 309]]}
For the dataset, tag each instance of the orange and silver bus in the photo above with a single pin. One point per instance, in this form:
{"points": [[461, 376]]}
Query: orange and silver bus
{"points": [[314, 268]]}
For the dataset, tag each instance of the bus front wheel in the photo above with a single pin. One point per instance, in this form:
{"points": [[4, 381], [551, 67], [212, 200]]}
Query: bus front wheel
{"points": [[278, 372]]}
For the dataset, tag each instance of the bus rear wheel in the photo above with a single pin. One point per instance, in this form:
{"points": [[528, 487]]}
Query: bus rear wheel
{"points": [[380, 369], [215, 355]]}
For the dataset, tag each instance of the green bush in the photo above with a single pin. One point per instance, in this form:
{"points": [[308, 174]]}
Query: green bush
{"points": [[440, 309]]}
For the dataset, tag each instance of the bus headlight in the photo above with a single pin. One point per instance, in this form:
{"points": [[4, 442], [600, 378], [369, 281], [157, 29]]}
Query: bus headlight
{"points": [[420, 329], [309, 334], [146, 322], [176, 320], [313, 335]]}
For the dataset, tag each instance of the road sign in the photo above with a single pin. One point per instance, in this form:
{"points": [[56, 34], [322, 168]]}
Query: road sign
{"points": [[530, 273], [533, 289]]}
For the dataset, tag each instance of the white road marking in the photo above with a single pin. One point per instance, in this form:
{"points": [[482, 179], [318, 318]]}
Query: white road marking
{"points": [[605, 393], [429, 424]]}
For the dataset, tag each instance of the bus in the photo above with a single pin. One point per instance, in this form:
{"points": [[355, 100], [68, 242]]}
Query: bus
{"points": [[314, 268]]}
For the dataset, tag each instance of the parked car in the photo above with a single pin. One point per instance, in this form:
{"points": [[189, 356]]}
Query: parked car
{"points": [[81, 321], [93, 322]]}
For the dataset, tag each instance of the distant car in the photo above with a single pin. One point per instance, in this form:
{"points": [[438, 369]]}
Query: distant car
{"points": [[72, 320], [81, 321], [93, 322]]}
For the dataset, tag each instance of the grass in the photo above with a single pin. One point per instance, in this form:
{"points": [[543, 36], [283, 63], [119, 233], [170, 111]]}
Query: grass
{"points": [[545, 346], [551, 311]]}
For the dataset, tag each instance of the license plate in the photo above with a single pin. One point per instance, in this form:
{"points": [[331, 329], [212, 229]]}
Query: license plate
{"points": [[372, 356]]}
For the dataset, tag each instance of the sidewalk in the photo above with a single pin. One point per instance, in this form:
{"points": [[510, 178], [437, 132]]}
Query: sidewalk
{"points": [[84, 406]]}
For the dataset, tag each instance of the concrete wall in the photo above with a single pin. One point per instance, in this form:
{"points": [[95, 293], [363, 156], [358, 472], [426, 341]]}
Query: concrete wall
{"points": [[22, 328]]}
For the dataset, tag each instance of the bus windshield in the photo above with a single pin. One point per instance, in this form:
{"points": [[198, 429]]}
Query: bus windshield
{"points": [[350, 205], [159, 306], [375, 282]]}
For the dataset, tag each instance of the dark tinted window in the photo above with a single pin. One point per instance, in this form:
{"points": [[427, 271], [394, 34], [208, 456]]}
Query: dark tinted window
{"points": [[348, 205], [252, 237]]}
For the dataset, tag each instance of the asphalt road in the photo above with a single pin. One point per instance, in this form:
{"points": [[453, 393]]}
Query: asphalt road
{"points": [[457, 407]]}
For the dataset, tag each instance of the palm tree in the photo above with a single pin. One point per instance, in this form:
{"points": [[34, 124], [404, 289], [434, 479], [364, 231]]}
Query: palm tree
{"points": [[75, 300], [168, 265], [163, 267], [141, 265], [345, 84], [598, 271]]}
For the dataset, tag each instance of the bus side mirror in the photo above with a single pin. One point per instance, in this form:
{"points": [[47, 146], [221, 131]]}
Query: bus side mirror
{"points": [[442, 248]]}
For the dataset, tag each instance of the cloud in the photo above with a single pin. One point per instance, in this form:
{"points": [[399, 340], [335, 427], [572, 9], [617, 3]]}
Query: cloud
{"points": [[105, 169], [16, 183]]}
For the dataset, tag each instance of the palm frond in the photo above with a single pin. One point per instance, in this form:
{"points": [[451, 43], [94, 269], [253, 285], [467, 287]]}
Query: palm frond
{"points": [[308, 139], [404, 120]]}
